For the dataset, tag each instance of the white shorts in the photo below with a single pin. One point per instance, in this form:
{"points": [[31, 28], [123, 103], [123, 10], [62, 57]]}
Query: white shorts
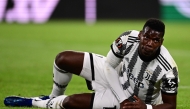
{"points": [[93, 72]]}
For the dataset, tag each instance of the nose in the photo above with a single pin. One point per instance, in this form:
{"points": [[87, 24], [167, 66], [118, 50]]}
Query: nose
{"points": [[150, 42]]}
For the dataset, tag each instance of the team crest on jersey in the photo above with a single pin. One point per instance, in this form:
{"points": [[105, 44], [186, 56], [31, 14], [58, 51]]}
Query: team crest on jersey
{"points": [[118, 43], [147, 74]]}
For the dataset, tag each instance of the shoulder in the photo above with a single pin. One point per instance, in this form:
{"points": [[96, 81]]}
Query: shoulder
{"points": [[166, 60], [170, 77], [129, 36], [124, 42], [134, 33]]}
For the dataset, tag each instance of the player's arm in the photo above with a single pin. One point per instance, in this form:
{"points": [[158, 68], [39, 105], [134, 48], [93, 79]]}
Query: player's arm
{"points": [[114, 57], [169, 102], [112, 76], [169, 94], [169, 89]]}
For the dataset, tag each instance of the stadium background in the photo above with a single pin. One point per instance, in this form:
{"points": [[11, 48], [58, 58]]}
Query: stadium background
{"points": [[32, 32], [39, 11]]}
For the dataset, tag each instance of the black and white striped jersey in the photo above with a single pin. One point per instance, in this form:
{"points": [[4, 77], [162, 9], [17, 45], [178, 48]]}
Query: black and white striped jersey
{"points": [[145, 79]]}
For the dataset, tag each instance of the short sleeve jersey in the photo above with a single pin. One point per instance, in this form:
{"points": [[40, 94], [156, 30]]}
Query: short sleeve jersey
{"points": [[145, 79]]}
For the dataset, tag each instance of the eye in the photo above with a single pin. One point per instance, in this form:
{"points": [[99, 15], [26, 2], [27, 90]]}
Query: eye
{"points": [[146, 37], [156, 40]]}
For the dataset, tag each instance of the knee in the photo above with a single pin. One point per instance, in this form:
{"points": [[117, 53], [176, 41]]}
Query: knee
{"points": [[62, 59], [68, 102], [70, 61]]}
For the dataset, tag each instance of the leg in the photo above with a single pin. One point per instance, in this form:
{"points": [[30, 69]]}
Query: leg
{"points": [[70, 61], [66, 63], [78, 101], [102, 99], [75, 101]]}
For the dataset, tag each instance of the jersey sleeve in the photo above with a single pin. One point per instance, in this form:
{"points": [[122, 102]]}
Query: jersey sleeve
{"points": [[114, 57], [169, 84], [170, 80], [120, 45]]}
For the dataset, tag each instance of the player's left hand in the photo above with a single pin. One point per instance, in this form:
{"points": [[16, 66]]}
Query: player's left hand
{"points": [[138, 104]]}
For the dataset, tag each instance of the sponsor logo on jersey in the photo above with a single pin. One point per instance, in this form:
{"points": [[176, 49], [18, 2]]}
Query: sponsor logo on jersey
{"points": [[134, 79]]}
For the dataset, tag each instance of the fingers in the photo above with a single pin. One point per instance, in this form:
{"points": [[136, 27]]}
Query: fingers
{"points": [[138, 104], [131, 106], [131, 103], [136, 98]]}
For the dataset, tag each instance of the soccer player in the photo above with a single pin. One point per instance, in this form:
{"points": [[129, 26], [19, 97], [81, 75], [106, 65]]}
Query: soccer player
{"points": [[137, 73]]}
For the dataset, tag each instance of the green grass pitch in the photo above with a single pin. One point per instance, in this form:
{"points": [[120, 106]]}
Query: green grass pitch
{"points": [[27, 52]]}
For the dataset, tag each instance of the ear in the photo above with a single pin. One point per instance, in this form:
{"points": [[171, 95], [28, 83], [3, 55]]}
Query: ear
{"points": [[140, 34]]}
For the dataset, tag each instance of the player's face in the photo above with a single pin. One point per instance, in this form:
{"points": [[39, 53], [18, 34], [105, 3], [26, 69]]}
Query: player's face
{"points": [[150, 41]]}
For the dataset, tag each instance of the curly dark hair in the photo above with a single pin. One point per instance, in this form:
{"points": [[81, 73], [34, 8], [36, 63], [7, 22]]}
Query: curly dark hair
{"points": [[155, 24]]}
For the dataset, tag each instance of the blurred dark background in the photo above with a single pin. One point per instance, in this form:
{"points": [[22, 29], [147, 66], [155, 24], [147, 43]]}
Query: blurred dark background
{"points": [[40, 11]]}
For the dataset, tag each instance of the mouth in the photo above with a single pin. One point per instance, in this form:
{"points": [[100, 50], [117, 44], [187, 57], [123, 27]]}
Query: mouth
{"points": [[147, 51]]}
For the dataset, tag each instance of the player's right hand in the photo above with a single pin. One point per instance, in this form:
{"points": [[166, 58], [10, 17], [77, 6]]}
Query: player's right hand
{"points": [[137, 104], [122, 104]]}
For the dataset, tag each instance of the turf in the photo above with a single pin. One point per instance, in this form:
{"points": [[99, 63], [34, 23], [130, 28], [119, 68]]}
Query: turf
{"points": [[27, 52]]}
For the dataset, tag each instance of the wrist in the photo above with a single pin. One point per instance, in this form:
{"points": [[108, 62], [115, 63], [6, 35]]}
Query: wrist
{"points": [[148, 106]]}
